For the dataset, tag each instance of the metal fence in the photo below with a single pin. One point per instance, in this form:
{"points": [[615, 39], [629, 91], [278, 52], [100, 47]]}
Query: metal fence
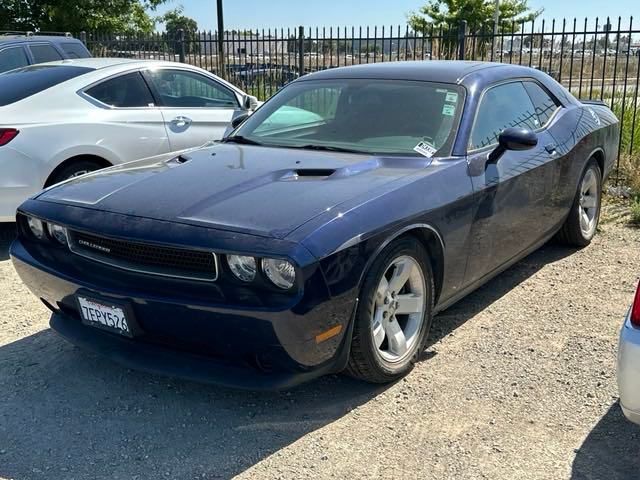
{"points": [[595, 59]]}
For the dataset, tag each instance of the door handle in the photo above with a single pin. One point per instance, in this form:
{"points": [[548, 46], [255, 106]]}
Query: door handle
{"points": [[181, 121], [551, 148]]}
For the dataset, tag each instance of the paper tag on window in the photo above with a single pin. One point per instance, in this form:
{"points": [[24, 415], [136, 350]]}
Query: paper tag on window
{"points": [[423, 148], [451, 97], [448, 110]]}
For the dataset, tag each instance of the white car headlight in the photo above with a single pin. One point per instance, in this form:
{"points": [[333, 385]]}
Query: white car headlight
{"points": [[58, 232], [242, 267], [281, 273], [37, 227]]}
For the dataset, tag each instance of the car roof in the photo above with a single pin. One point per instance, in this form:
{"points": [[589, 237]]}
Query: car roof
{"points": [[441, 71], [6, 39]]}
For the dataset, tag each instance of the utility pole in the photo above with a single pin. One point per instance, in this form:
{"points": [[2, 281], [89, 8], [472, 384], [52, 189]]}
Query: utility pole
{"points": [[496, 18], [220, 40]]}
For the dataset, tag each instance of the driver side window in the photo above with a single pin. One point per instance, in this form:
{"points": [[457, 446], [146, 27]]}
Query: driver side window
{"points": [[179, 88], [501, 107]]}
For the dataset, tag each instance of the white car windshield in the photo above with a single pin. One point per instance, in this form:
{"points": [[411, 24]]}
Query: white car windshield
{"points": [[362, 115]]}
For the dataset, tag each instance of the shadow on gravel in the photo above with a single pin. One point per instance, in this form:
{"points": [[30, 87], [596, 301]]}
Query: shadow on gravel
{"points": [[447, 321], [611, 450], [68, 414], [7, 234]]}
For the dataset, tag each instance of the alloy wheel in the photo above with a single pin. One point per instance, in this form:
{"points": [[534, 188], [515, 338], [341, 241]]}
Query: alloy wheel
{"points": [[589, 203], [399, 309]]}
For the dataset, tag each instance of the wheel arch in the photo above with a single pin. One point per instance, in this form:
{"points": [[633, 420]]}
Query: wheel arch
{"points": [[598, 155], [77, 158], [430, 239]]}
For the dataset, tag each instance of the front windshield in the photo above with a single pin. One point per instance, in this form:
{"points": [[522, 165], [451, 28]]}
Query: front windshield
{"points": [[387, 117]]}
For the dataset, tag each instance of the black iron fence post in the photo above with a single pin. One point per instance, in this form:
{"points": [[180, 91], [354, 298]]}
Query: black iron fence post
{"points": [[181, 49], [462, 38], [301, 50]]}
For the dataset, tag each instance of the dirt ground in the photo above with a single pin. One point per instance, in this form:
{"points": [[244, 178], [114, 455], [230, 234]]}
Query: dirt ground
{"points": [[518, 382]]}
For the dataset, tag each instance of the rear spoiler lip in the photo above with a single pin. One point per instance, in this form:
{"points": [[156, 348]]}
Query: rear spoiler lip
{"points": [[586, 101]]}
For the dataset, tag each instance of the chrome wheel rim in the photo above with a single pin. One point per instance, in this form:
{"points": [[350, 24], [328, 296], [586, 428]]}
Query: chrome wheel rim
{"points": [[398, 312], [79, 173], [589, 204]]}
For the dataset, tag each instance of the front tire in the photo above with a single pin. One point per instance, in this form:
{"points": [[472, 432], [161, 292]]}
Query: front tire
{"points": [[75, 169], [582, 222], [394, 313]]}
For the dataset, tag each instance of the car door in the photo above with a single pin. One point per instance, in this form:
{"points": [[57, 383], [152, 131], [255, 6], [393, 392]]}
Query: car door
{"points": [[512, 194], [13, 57], [127, 122], [196, 108]]}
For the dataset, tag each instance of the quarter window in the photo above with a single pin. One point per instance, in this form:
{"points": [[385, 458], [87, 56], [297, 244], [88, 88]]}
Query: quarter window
{"points": [[545, 105], [501, 107], [75, 50], [11, 58], [125, 91], [44, 53], [178, 88]]}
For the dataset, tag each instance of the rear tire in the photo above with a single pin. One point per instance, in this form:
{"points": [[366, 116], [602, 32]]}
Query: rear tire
{"points": [[74, 169], [394, 313], [582, 223]]}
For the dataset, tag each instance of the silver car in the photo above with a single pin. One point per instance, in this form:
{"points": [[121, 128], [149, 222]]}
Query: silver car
{"points": [[629, 362]]}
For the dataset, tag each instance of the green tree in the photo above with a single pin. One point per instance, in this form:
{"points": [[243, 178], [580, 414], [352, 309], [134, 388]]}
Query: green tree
{"points": [[121, 16], [477, 13], [174, 21]]}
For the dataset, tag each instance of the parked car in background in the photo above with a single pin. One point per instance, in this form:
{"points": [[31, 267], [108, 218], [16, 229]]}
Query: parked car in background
{"points": [[63, 119], [629, 361], [327, 229], [21, 50]]}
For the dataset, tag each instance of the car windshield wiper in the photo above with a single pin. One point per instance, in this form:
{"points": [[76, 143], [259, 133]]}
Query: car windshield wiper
{"points": [[240, 139], [327, 148]]}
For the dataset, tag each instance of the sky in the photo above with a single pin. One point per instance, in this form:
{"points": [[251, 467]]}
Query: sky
{"points": [[245, 14]]}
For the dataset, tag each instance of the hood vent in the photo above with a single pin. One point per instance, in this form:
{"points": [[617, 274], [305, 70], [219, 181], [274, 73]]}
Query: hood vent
{"points": [[307, 174]]}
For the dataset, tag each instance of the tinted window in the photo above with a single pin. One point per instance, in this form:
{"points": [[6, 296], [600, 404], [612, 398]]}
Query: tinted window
{"points": [[75, 50], [24, 82], [44, 53], [186, 89], [502, 107], [14, 57], [367, 115], [128, 90], [542, 101]]}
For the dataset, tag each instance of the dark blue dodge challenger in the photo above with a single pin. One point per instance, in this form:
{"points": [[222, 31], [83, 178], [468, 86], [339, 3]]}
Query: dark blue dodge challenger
{"points": [[326, 230]]}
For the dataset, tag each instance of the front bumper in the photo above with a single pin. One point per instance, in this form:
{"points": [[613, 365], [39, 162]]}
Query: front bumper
{"points": [[629, 370], [247, 346]]}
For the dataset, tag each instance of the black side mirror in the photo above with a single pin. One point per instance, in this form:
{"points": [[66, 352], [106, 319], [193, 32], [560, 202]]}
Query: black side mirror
{"points": [[235, 122], [513, 139]]}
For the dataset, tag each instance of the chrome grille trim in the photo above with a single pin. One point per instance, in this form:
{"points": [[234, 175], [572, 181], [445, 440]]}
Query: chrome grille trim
{"points": [[96, 248]]}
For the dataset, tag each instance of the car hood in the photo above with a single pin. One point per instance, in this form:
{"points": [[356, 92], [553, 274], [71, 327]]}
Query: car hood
{"points": [[250, 189]]}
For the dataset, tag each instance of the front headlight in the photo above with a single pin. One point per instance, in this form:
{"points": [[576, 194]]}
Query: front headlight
{"points": [[242, 267], [281, 273], [37, 227], [58, 232]]}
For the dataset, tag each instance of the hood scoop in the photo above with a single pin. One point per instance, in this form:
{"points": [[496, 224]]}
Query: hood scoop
{"points": [[308, 174]]}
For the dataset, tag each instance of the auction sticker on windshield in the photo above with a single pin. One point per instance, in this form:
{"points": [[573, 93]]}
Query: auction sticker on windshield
{"points": [[424, 148]]}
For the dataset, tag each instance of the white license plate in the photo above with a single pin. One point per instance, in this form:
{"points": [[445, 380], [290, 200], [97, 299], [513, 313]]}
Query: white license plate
{"points": [[102, 315]]}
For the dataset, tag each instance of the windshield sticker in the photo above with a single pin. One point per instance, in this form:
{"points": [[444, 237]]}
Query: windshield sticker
{"points": [[441, 90], [449, 110], [451, 97], [424, 148]]}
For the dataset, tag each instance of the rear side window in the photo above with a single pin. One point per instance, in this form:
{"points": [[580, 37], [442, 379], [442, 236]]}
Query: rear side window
{"points": [[44, 53], [501, 107], [24, 82], [13, 57], [75, 50], [125, 91], [542, 101]]}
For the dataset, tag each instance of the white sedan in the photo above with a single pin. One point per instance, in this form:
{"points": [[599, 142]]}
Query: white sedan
{"points": [[62, 119], [629, 362]]}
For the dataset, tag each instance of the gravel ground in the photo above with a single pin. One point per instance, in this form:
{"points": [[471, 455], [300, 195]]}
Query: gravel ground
{"points": [[518, 382]]}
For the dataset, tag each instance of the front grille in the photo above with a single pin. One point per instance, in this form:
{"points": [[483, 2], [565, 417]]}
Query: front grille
{"points": [[146, 258]]}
